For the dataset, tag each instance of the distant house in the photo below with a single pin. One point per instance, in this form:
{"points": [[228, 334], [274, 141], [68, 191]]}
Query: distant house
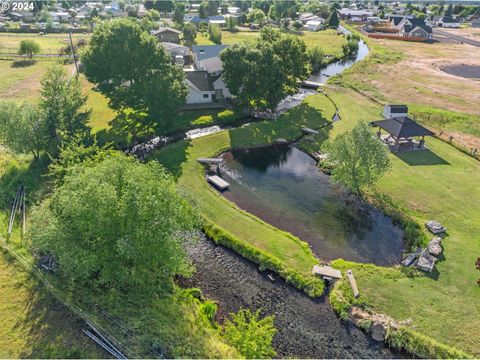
{"points": [[391, 111], [167, 34], [314, 25], [354, 15], [60, 16], [414, 27], [200, 87], [476, 23], [233, 10], [304, 18], [193, 18], [448, 22], [216, 20], [175, 49]]}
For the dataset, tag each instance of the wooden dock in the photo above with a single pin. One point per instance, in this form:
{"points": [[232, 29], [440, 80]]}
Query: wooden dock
{"points": [[326, 272], [353, 283], [309, 131], [218, 182], [209, 160]]}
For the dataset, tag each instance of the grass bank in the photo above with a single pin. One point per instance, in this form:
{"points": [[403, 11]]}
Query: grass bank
{"points": [[260, 242]]}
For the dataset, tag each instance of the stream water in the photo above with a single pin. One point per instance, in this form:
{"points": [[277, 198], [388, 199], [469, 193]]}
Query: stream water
{"points": [[307, 328], [284, 186]]}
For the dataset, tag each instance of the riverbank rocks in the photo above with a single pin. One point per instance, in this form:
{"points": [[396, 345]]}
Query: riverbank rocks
{"points": [[426, 262], [378, 323], [434, 247], [410, 258], [435, 227]]}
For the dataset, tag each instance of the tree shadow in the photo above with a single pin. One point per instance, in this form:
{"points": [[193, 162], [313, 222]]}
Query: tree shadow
{"points": [[23, 63], [423, 157], [172, 157], [288, 126]]}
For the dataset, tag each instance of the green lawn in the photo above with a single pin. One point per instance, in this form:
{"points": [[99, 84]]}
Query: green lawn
{"points": [[440, 184], [328, 40]]}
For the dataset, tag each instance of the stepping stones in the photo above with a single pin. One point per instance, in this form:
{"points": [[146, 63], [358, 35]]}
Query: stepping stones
{"points": [[435, 227]]}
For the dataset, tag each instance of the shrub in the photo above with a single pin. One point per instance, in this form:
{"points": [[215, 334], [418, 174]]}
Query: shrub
{"points": [[227, 117], [203, 120], [209, 309]]}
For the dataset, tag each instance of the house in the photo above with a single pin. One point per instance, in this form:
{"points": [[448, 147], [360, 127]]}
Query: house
{"points": [[397, 111], [414, 27], [59, 16], [354, 15], [193, 18], [200, 87], [304, 18], [233, 10], [207, 58], [476, 23], [167, 34], [175, 49], [314, 25], [448, 22], [113, 11], [216, 20]]}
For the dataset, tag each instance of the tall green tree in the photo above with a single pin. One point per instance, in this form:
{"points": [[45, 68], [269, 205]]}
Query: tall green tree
{"points": [[215, 33], [250, 334], [178, 12], [357, 158], [283, 8], [133, 72], [116, 225], [22, 128], [29, 48], [63, 106], [189, 33], [333, 21], [263, 72]]}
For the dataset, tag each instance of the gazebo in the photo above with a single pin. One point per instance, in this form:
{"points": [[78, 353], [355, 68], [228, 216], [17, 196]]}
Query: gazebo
{"points": [[401, 131]]}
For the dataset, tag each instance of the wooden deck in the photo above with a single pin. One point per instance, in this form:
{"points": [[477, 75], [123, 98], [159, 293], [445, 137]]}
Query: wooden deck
{"points": [[218, 182], [326, 272]]}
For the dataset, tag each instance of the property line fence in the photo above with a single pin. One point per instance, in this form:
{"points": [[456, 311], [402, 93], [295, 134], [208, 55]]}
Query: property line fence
{"points": [[120, 337], [470, 150]]}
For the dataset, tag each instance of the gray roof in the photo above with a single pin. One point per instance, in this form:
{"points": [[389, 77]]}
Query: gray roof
{"points": [[203, 52], [200, 79], [171, 46], [165, 30], [402, 127], [398, 109]]}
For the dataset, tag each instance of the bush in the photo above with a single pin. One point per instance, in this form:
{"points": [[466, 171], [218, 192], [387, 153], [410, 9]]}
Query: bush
{"points": [[29, 48], [227, 117], [203, 120], [209, 309]]}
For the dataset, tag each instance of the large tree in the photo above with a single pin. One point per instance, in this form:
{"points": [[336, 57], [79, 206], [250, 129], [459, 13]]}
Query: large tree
{"points": [[134, 72], [263, 72], [22, 128], [283, 8], [357, 158], [29, 48], [63, 106], [116, 225]]}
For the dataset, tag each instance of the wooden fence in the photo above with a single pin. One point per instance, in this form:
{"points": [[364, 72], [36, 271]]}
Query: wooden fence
{"points": [[396, 37]]}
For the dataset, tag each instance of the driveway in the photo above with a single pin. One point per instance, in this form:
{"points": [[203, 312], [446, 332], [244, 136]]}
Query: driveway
{"points": [[437, 32]]}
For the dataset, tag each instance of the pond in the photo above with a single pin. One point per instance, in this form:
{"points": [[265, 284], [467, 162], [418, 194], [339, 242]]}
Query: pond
{"points": [[307, 328], [284, 187]]}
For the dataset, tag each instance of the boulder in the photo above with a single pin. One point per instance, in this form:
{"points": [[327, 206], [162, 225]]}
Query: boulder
{"points": [[357, 315], [426, 262], [378, 331], [435, 227], [434, 247], [410, 258]]}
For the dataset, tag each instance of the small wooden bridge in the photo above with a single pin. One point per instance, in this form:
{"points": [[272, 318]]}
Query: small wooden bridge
{"points": [[326, 272], [218, 182]]}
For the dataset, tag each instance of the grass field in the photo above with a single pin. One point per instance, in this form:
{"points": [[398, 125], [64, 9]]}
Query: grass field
{"points": [[328, 40], [49, 44], [411, 73]]}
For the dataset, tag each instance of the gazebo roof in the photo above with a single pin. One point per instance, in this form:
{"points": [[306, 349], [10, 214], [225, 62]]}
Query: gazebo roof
{"points": [[402, 127]]}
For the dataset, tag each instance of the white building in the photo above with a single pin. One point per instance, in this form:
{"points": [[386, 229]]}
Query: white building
{"points": [[448, 22], [391, 111], [314, 25]]}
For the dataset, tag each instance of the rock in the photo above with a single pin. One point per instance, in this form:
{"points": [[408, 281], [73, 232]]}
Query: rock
{"points": [[357, 315], [435, 227], [378, 331], [426, 262], [409, 259], [434, 247]]}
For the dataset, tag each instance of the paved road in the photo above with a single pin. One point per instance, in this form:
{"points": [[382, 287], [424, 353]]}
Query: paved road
{"points": [[455, 37]]}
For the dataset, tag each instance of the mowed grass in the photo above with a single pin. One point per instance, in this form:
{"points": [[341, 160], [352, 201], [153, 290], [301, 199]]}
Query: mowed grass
{"points": [[329, 40], [49, 44], [440, 184], [181, 160]]}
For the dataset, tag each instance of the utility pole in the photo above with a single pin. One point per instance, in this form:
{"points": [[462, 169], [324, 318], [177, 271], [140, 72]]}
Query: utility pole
{"points": [[72, 49]]}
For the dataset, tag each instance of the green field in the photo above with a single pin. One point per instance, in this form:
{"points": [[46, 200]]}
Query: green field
{"points": [[50, 44], [329, 40]]}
